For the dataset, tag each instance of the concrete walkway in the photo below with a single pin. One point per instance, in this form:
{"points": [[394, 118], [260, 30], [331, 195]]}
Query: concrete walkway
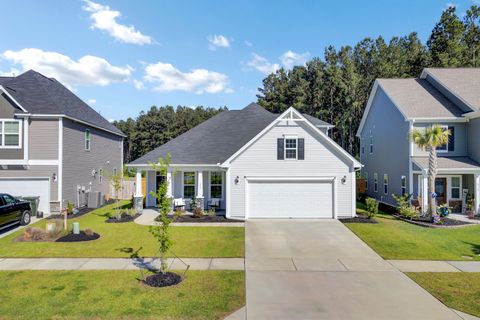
{"points": [[318, 269], [435, 266], [119, 263], [148, 218]]}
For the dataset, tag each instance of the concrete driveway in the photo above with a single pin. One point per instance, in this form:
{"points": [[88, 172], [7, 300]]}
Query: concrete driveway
{"points": [[318, 269]]}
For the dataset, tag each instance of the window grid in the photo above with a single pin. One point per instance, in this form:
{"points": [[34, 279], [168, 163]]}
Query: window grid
{"points": [[291, 148], [189, 184], [216, 184], [455, 188], [10, 134]]}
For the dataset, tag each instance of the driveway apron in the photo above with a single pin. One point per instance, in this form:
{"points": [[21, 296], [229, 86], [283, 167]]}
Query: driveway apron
{"points": [[319, 269]]}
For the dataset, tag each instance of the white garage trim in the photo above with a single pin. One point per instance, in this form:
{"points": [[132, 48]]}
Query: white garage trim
{"points": [[47, 179], [332, 180]]}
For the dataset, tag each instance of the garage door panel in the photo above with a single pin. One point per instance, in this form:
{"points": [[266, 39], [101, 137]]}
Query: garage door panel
{"points": [[28, 187], [290, 199]]}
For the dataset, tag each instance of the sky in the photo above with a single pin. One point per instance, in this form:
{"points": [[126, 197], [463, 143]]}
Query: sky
{"points": [[124, 56]]}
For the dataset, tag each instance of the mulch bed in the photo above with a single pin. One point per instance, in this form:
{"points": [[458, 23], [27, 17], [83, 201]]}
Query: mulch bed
{"points": [[163, 280], [81, 212], [428, 223], [124, 218], [190, 218], [359, 219], [82, 236]]}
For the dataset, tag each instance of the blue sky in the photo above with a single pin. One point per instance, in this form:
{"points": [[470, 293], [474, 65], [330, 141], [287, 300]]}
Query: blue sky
{"points": [[125, 56]]}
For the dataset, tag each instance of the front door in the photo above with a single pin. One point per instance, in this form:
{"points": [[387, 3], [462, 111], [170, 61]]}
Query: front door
{"points": [[441, 190]]}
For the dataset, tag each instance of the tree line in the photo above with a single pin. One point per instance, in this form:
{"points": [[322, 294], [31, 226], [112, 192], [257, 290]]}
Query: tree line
{"points": [[336, 88]]}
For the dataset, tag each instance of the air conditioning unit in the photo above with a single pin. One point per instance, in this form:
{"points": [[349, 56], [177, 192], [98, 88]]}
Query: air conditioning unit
{"points": [[94, 199]]}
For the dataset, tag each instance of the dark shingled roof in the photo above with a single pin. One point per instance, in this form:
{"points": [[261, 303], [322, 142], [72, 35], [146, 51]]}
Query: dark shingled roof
{"points": [[41, 95], [216, 139]]}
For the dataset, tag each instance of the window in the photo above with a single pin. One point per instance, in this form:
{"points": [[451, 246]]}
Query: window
{"points": [[385, 183], [375, 182], [455, 186], [366, 180], [100, 175], [8, 199], [216, 184], [371, 144], [88, 138], [10, 134], [188, 185], [362, 144], [403, 180], [291, 148], [443, 148]]}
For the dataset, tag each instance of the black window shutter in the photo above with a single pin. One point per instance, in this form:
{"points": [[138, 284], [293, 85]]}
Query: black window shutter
{"points": [[280, 146], [451, 139], [301, 149]]}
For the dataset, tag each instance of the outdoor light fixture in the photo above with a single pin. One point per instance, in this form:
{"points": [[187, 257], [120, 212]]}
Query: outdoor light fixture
{"points": [[54, 177], [344, 179], [237, 179]]}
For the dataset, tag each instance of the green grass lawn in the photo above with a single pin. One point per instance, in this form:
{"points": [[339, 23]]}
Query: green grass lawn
{"points": [[118, 295], [458, 290], [123, 239], [395, 239]]}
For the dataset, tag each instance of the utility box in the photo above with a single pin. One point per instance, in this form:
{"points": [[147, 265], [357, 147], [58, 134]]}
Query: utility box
{"points": [[94, 200], [76, 228]]}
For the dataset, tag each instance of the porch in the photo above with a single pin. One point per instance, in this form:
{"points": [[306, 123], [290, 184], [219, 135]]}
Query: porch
{"points": [[206, 184], [457, 181]]}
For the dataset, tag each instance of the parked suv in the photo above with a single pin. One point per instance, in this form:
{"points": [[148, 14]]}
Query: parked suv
{"points": [[13, 211]]}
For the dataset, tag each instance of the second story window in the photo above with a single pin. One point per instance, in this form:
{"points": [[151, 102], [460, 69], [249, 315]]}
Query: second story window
{"points": [[10, 134], [375, 182], [404, 185], [371, 144], [290, 148], [445, 147], [88, 139]]}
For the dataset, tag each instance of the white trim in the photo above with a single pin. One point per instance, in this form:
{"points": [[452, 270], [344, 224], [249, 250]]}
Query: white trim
{"points": [[354, 194], [12, 98], [35, 115], [292, 112], [199, 185], [20, 134], [60, 162], [441, 119], [472, 115], [410, 162], [25, 138], [34, 162], [227, 194], [333, 180], [476, 184], [448, 186]]}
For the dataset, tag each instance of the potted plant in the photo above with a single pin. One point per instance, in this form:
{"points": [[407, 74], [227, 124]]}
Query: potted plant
{"points": [[444, 210], [470, 204]]}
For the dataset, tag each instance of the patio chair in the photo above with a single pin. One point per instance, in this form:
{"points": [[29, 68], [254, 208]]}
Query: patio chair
{"points": [[178, 204], [213, 204]]}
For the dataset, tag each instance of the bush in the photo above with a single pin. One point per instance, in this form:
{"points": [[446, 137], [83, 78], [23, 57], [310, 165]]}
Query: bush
{"points": [[211, 212], [34, 234], [408, 213], [88, 232], [57, 229], [372, 207], [403, 206], [70, 207]]}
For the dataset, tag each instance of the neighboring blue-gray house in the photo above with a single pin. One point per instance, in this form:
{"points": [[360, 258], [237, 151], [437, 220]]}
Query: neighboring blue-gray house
{"points": [[258, 165], [394, 164], [52, 144]]}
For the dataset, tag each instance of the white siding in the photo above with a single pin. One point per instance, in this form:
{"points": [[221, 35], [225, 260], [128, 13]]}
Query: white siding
{"points": [[260, 159]]}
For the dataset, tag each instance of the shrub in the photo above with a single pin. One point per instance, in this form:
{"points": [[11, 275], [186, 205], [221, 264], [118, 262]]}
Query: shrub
{"points": [[88, 232], [372, 207], [403, 206], [69, 207], [56, 231], [408, 213], [34, 234], [211, 212], [197, 210]]}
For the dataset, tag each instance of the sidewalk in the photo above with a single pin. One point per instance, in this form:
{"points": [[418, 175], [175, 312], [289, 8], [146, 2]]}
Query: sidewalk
{"points": [[435, 266], [119, 263], [148, 218]]}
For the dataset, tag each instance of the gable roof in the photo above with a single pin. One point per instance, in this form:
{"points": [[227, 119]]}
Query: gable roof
{"points": [[216, 139], [464, 83], [46, 96], [317, 122]]}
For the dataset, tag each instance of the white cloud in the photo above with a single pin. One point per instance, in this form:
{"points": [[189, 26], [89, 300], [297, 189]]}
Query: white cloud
{"points": [[91, 101], [262, 64], [11, 73], [290, 59], [86, 71], [104, 18], [168, 78], [138, 84], [218, 41], [248, 43]]}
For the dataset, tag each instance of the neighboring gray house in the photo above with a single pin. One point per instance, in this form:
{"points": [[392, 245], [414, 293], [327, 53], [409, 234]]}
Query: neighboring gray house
{"points": [[394, 164], [52, 144], [259, 165]]}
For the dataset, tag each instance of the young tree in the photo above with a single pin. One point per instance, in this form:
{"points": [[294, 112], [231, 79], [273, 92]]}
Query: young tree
{"points": [[430, 140], [161, 228], [116, 182]]}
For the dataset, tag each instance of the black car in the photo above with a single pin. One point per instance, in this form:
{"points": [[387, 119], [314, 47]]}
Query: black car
{"points": [[13, 211]]}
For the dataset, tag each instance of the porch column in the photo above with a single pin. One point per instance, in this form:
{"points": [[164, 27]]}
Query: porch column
{"points": [[476, 182], [169, 184], [200, 189], [138, 196], [424, 192]]}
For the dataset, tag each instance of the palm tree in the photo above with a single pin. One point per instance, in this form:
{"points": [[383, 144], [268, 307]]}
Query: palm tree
{"points": [[430, 140]]}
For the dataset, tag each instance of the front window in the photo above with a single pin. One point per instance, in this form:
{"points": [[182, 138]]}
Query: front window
{"points": [[290, 148], [455, 188], [404, 185], [188, 185], [375, 182], [385, 183], [443, 148], [88, 138], [10, 131], [216, 185]]}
